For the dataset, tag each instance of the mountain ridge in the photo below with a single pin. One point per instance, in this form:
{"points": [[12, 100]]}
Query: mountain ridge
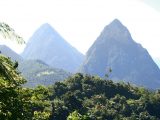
{"points": [[5, 50]]}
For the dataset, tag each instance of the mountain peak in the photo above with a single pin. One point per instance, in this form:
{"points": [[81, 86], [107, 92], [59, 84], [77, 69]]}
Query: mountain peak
{"points": [[49, 46], [129, 61], [116, 31], [46, 26], [116, 22]]}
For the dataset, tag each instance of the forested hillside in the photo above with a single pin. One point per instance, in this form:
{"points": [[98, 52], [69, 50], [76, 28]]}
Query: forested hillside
{"points": [[38, 73], [16, 102], [92, 98], [80, 97]]}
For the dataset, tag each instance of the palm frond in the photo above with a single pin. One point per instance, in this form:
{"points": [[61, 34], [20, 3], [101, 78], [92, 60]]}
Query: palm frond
{"points": [[8, 33]]}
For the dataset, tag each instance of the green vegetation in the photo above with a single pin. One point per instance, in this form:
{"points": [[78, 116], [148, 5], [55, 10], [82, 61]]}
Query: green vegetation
{"points": [[16, 102], [38, 73], [8, 33], [80, 97], [89, 97]]}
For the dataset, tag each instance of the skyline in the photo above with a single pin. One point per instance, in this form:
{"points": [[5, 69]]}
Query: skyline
{"points": [[80, 22]]}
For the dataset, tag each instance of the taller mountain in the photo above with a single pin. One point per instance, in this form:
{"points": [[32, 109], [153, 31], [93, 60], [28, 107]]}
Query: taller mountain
{"points": [[129, 61], [48, 46]]}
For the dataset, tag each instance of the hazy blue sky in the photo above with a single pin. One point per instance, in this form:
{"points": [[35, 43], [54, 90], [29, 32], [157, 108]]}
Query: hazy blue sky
{"points": [[153, 3], [81, 21]]}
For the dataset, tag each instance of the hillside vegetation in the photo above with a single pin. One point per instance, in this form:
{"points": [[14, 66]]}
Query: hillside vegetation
{"points": [[92, 98], [80, 97], [16, 102], [38, 73]]}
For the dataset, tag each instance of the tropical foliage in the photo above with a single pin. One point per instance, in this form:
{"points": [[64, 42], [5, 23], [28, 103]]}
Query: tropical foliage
{"points": [[89, 97], [80, 97], [8, 33], [16, 102]]}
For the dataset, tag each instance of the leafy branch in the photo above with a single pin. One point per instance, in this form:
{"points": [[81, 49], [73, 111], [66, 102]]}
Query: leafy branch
{"points": [[8, 33]]}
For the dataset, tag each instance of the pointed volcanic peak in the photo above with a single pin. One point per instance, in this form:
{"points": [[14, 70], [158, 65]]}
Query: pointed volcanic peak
{"points": [[10, 53], [47, 45], [129, 61], [115, 28]]}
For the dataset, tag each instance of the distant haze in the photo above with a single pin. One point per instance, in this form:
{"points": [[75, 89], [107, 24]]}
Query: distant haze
{"points": [[81, 21]]}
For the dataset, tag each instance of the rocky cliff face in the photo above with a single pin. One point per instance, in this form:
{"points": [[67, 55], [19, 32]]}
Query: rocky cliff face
{"points": [[129, 61]]}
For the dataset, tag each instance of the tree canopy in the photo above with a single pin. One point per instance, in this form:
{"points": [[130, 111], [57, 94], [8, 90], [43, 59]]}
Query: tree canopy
{"points": [[17, 102], [80, 97]]}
